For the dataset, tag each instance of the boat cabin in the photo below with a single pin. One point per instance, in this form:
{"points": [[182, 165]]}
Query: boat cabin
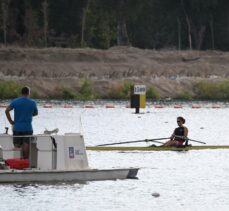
{"points": [[60, 152]]}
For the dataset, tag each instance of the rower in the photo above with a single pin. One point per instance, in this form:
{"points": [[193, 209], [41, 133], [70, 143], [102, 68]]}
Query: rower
{"points": [[179, 136]]}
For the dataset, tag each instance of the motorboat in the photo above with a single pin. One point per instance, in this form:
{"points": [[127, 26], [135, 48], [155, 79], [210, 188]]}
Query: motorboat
{"points": [[54, 158]]}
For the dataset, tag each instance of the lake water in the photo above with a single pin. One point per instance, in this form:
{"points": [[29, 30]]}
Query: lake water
{"points": [[186, 181]]}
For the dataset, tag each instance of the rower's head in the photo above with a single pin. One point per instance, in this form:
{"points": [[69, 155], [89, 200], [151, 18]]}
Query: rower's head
{"points": [[25, 91], [180, 120]]}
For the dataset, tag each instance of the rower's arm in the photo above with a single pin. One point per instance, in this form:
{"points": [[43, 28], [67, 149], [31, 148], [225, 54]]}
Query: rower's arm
{"points": [[172, 136], [185, 132]]}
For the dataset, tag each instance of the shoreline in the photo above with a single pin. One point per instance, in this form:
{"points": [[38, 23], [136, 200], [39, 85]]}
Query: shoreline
{"points": [[62, 73]]}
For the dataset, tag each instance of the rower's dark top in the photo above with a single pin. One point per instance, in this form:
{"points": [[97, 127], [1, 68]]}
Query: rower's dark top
{"points": [[179, 132]]}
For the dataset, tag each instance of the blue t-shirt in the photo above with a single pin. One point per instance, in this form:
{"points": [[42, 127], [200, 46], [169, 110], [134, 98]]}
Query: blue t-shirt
{"points": [[24, 108]]}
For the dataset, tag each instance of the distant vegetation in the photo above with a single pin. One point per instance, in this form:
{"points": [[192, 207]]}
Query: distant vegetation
{"points": [[9, 89], [152, 93], [203, 90], [154, 24], [85, 92], [184, 95], [213, 90], [120, 90], [68, 93]]}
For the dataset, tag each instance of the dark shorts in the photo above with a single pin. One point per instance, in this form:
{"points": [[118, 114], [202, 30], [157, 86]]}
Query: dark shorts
{"points": [[20, 140]]}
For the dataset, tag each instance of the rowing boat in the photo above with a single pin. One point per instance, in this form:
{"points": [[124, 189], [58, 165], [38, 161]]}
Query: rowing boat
{"points": [[138, 148]]}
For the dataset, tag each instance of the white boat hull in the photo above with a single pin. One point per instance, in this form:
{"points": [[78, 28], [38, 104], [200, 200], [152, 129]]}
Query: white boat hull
{"points": [[25, 176], [59, 158]]}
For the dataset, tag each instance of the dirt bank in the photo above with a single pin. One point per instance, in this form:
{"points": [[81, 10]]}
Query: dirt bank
{"points": [[169, 71]]}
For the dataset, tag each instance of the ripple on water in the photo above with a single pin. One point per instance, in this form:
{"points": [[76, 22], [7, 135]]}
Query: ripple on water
{"points": [[194, 180]]}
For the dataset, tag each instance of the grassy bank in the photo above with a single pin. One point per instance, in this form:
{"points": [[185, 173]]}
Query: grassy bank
{"points": [[202, 90], [9, 89], [117, 91]]}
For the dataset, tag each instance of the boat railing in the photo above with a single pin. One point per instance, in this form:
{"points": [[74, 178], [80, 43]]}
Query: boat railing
{"points": [[49, 151], [16, 152]]}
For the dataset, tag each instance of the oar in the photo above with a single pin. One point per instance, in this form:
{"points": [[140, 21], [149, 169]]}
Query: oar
{"points": [[188, 139], [196, 141], [128, 142]]}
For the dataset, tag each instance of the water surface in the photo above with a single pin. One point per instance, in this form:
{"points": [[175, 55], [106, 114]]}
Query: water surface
{"points": [[194, 180]]}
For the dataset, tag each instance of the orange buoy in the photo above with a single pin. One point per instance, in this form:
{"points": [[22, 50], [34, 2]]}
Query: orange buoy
{"points": [[88, 106], [178, 106], [159, 106], [109, 106], [196, 106], [68, 106], [3, 106], [215, 106], [47, 106]]}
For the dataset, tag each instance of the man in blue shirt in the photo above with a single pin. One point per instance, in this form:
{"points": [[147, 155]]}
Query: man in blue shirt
{"points": [[24, 110]]}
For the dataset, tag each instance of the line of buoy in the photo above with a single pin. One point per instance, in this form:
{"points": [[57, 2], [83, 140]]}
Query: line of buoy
{"points": [[3, 106], [216, 106], [159, 106], [109, 106], [178, 106], [196, 106], [47, 106], [88, 106], [68, 106]]}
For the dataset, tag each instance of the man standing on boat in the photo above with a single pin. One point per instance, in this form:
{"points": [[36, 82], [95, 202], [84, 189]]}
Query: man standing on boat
{"points": [[179, 135], [24, 110]]}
